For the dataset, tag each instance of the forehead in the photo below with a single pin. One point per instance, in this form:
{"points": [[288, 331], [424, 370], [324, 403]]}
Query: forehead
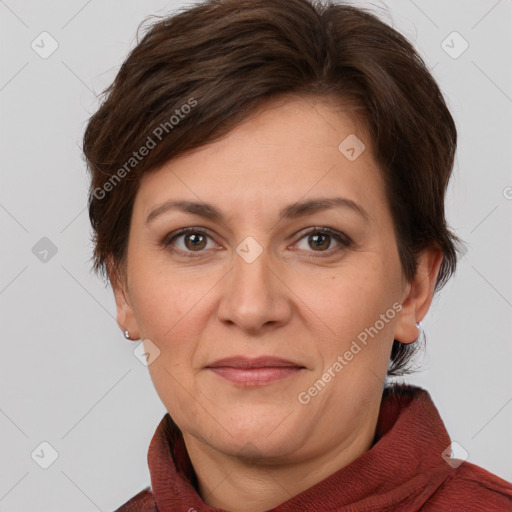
{"points": [[283, 151]]}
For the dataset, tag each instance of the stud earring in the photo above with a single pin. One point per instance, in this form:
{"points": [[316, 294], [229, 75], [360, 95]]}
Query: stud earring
{"points": [[418, 325], [127, 335]]}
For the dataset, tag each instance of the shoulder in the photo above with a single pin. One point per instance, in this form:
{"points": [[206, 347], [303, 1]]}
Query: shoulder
{"points": [[472, 486], [142, 502]]}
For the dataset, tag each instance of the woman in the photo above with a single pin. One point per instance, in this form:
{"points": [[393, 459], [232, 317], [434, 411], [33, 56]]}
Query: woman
{"points": [[267, 198]]}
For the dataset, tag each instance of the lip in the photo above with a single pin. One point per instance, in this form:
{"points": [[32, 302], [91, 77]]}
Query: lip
{"points": [[255, 362], [254, 371]]}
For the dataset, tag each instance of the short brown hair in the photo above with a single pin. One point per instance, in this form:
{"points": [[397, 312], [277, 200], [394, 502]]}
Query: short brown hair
{"points": [[222, 59]]}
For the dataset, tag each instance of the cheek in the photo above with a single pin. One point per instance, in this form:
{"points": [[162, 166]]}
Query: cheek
{"points": [[351, 298], [165, 299], [171, 314], [360, 313], [172, 310]]}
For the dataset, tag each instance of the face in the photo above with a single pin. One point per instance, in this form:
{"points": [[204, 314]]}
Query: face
{"points": [[275, 312]]}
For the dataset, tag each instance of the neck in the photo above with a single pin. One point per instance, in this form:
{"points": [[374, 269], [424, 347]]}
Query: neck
{"points": [[243, 484]]}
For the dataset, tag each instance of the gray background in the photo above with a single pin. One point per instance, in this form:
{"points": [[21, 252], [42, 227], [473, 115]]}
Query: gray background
{"points": [[68, 377]]}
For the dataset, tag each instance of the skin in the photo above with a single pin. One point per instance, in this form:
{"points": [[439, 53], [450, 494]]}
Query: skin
{"points": [[255, 447]]}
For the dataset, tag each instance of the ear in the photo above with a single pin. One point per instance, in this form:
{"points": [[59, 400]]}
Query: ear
{"points": [[124, 310], [418, 294]]}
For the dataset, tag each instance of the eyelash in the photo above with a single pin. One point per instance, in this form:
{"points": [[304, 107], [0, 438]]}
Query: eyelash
{"points": [[343, 239]]}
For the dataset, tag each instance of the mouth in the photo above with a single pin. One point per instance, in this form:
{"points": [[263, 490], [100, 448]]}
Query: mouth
{"points": [[254, 372]]}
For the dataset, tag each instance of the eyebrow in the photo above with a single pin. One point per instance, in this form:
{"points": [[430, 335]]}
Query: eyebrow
{"points": [[292, 211]]}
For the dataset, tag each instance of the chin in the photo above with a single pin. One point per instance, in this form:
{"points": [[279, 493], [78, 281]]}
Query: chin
{"points": [[258, 436]]}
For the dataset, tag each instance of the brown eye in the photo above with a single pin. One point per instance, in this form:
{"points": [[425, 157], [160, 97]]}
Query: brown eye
{"points": [[195, 241], [323, 240], [319, 242], [188, 241]]}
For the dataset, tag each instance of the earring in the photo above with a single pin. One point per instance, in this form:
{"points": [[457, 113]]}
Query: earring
{"points": [[418, 325], [127, 335]]}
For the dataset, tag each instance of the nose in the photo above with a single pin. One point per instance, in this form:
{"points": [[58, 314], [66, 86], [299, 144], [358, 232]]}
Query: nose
{"points": [[254, 296]]}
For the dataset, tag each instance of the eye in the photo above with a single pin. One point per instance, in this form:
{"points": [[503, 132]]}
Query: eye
{"points": [[189, 240], [321, 240]]}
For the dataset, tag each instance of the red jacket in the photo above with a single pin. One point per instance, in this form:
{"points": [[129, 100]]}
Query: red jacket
{"points": [[404, 471]]}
